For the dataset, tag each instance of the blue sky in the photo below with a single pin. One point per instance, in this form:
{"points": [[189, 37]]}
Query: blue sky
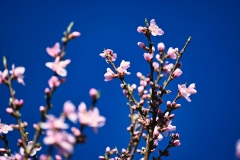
{"points": [[209, 125]]}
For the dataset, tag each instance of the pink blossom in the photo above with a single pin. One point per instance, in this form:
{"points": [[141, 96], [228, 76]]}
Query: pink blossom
{"points": [[18, 73], [5, 128], [59, 66], [141, 29], [177, 72], [91, 118], [58, 157], [93, 92], [54, 51], [29, 146], [155, 65], [168, 67], [176, 142], [140, 89], [3, 75], [69, 111], [124, 65], [170, 128], [109, 53], [54, 123], [186, 92], [161, 46], [159, 135], [61, 139], [148, 56], [155, 30], [54, 82], [109, 75], [171, 53]]}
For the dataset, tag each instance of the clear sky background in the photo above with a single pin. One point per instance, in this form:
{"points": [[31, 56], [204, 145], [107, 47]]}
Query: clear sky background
{"points": [[209, 125]]}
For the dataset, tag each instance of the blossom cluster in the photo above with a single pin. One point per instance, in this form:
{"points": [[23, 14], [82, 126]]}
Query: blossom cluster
{"points": [[148, 119]]}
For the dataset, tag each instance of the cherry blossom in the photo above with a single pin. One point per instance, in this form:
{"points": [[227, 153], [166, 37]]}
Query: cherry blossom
{"points": [[3, 75], [109, 53], [155, 30], [54, 51], [59, 66], [90, 118], [186, 92], [18, 73], [5, 128], [54, 123], [69, 111], [29, 146]]}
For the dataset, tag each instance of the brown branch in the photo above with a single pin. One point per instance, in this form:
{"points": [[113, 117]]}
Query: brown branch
{"points": [[150, 135]]}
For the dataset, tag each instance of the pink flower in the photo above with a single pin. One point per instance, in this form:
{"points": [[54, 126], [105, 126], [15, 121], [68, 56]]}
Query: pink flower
{"points": [[109, 53], [161, 46], [59, 66], [54, 123], [171, 53], [168, 67], [5, 128], [91, 117], [61, 139], [18, 73], [69, 111], [177, 73], [124, 65], [186, 92], [159, 135], [3, 75], [155, 30], [170, 128], [148, 56], [29, 146], [109, 75], [54, 51], [155, 66], [54, 82]]}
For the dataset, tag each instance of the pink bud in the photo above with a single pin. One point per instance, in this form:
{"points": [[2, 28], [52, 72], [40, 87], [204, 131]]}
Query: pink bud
{"points": [[76, 131], [108, 149], [133, 86], [35, 126], [93, 92], [47, 90], [143, 83], [176, 142], [177, 72], [74, 34], [9, 110], [42, 108], [161, 46], [157, 56], [123, 150], [139, 74], [140, 89], [58, 157], [141, 44], [101, 158]]}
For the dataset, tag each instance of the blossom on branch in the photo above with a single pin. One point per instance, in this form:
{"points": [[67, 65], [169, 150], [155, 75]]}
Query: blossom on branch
{"points": [[18, 73], [186, 92], [59, 66]]}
